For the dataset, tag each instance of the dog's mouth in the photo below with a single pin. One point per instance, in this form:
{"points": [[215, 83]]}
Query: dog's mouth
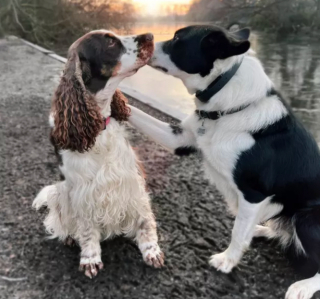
{"points": [[152, 62], [160, 68]]}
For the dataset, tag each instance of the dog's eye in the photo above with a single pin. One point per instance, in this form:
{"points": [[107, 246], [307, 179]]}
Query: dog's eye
{"points": [[176, 37], [110, 41]]}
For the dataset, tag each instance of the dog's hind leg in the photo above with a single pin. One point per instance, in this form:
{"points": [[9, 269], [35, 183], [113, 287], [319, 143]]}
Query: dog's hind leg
{"points": [[88, 237], [246, 220], [42, 198], [147, 240], [58, 221], [279, 228], [262, 231], [305, 248]]}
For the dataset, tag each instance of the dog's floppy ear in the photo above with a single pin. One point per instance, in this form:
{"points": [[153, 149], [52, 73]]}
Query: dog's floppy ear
{"points": [[221, 45], [119, 109], [77, 119]]}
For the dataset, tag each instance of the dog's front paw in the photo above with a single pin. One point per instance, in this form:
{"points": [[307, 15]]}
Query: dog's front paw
{"points": [[222, 262], [301, 290], [90, 265], [153, 256]]}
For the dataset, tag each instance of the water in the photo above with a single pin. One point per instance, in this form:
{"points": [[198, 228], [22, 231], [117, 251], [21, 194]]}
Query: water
{"points": [[292, 62], [162, 31]]}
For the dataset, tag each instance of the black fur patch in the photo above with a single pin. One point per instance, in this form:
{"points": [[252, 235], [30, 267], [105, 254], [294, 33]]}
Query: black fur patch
{"points": [[185, 150], [195, 48], [176, 129], [98, 61], [307, 227], [285, 163]]}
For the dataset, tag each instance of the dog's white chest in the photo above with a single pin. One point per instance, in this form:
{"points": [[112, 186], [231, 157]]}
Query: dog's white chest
{"points": [[105, 187], [221, 149], [221, 146]]}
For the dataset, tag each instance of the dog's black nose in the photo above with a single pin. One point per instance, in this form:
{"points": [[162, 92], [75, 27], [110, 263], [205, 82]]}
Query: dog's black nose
{"points": [[148, 37]]}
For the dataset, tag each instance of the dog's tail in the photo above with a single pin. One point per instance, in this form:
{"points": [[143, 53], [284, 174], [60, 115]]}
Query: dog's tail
{"points": [[307, 231], [42, 198]]}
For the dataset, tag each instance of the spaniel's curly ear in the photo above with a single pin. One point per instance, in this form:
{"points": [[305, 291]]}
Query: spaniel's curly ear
{"points": [[119, 110], [77, 119]]}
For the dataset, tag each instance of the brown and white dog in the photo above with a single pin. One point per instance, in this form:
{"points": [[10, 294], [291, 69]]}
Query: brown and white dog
{"points": [[103, 190]]}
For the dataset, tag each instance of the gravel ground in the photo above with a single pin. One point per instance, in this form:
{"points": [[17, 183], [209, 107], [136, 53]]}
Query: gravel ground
{"points": [[192, 217]]}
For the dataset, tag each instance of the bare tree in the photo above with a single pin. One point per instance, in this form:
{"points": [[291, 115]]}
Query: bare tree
{"points": [[58, 22]]}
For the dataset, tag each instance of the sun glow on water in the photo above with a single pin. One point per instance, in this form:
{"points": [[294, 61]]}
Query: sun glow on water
{"points": [[161, 7]]}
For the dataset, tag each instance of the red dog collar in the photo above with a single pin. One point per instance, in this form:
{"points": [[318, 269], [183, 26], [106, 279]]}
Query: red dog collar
{"points": [[106, 122]]}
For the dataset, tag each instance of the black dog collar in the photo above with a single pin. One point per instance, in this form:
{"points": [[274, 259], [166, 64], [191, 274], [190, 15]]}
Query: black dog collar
{"points": [[214, 115], [217, 84]]}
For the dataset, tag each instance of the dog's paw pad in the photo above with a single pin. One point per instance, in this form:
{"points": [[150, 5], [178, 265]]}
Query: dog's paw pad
{"points": [[222, 262], [90, 266], [153, 256]]}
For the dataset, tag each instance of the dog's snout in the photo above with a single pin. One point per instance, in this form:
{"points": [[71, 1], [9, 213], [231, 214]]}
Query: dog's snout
{"points": [[148, 37]]}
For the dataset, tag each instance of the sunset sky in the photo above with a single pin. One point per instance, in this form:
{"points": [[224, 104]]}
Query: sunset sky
{"points": [[161, 7]]}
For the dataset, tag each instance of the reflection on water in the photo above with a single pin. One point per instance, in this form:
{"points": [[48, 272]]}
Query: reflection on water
{"points": [[161, 31], [293, 63]]}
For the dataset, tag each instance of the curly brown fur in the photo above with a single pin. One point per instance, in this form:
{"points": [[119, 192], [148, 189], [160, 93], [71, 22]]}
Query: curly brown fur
{"points": [[119, 110], [76, 114]]}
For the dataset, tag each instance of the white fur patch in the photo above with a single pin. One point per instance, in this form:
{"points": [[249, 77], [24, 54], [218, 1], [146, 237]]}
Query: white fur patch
{"points": [[102, 187], [147, 245], [51, 120], [42, 198], [304, 289], [90, 260], [223, 262]]}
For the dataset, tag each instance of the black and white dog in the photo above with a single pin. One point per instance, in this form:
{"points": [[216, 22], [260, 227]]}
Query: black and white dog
{"points": [[254, 149]]}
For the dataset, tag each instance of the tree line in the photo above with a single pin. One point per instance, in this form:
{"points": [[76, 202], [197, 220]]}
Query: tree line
{"points": [[273, 15], [55, 23], [59, 22]]}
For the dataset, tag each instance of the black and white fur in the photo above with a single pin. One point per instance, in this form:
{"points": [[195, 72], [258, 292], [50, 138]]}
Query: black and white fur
{"points": [[261, 158], [103, 193]]}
